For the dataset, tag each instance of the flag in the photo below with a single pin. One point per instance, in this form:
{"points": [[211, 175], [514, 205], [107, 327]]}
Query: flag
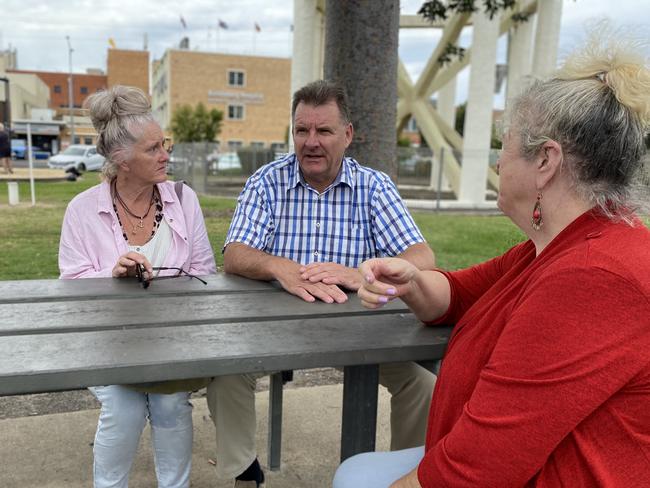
{"points": [[183, 23], [257, 27], [111, 42], [222, 24]]}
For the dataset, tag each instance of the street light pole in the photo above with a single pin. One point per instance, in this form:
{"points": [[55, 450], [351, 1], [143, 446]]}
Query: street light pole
{"points": [[7, 114], [70, 91]]}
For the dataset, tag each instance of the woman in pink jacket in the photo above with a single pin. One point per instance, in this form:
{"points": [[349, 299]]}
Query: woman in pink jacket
{"points": [[135, 222]]}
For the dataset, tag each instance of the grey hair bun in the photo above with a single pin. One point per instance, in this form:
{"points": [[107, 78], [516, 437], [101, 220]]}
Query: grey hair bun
{"points": [[118, 114]]}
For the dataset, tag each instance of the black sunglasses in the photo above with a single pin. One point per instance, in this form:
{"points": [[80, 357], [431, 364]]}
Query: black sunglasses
{"points": [[139, 273]]}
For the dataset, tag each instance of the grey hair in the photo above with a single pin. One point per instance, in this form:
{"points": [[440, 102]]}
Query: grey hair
{"points": [[321, 92], [119, 116], [597, 107]]}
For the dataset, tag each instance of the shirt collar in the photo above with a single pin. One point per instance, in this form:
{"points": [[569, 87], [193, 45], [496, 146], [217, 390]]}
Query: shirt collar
{"points": [[345, 175]]}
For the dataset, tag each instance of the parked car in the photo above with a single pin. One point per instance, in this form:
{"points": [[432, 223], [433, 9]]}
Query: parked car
{"points": [[19, 150], [77, 157], [229, 160], [180, 163]]}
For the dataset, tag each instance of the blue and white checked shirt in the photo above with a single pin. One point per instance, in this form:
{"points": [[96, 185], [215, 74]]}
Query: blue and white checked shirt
{"points": [[358, 217]]}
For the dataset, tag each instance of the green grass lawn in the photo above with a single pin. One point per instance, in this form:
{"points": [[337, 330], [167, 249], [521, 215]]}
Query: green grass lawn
{"points": [[30, 235]]}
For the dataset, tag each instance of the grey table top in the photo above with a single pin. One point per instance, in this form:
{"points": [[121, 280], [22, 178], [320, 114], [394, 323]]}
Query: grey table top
{"points": [[66, 334]]}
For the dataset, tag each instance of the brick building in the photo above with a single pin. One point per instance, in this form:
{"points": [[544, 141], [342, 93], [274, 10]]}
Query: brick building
{"points": [[123, 67], [126, 67], [82, 86], [253, 92]]}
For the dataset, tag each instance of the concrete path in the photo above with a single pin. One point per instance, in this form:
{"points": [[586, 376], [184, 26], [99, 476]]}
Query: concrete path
{"points": [[40, 174], [55, 451]]}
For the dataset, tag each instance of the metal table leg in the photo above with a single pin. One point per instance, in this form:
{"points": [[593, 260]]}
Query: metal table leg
{"points": [[359, 424]]}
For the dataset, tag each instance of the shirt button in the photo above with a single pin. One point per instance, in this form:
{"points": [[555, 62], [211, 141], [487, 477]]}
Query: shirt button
{"points": [[317, 224], [315, 253], [171, 220]]}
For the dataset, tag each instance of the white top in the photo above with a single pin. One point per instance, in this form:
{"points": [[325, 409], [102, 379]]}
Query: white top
{"points": [[156, 249]]}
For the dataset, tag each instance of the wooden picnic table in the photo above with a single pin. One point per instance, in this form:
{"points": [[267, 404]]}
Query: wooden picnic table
{"points": [[69, 334]]}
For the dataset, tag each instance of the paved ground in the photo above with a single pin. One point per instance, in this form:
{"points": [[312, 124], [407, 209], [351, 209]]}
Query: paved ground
{"points": [[40, 173], [72, 401], [54, 450]]}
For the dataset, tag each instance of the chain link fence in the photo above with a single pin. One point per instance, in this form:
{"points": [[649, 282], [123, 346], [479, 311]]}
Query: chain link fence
{"points": [[210, 170]]}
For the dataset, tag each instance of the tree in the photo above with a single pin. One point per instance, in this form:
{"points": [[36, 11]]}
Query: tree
{"points": [[196, 124], [361, 54], [495, 140], [434, 10], [460, 118]]}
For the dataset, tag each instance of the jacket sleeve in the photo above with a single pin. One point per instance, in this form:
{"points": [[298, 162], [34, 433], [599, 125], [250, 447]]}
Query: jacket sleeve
{"points": [[573, 340], [74, 258], [202, 260]]}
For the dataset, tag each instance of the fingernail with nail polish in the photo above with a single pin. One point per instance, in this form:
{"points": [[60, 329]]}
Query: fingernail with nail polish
{"points": [[383, 299], [391, 291]]}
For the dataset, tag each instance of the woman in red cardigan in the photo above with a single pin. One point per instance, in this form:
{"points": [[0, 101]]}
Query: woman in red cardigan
{"points": [[546, 378]]}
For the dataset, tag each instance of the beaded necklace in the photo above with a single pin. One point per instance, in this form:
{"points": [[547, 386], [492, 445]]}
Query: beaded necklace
{"points": [[129, 212], [155, 201]]}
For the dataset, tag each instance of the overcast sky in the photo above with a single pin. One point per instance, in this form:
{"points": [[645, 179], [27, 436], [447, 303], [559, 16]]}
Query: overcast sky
{"points": [[38, 28]]}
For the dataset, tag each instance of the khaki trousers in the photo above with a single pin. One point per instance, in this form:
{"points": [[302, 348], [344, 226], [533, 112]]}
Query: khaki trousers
{"points": [[231, 400]]}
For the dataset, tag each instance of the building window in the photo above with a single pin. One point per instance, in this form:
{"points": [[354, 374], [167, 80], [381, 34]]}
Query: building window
{"points": [[236, 78], [257, 145], [233, 145], [57, 88], [235, 112], [278, 146], [77, 140], [84, 90], [88, 140]]}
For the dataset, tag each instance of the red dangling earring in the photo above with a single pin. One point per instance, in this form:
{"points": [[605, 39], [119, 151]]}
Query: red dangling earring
{"points": [[537, 221]]}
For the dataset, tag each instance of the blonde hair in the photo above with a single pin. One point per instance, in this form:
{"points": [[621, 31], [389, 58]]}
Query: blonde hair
{"points": [[119, 116], [597, 106]]}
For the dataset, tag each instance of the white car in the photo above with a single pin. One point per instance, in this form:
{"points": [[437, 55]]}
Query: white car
{"points": [[229, 160], [77, 157], [221, 161]]}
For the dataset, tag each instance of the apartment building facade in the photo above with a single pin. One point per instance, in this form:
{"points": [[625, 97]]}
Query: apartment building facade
{"points": [[252, 92]]}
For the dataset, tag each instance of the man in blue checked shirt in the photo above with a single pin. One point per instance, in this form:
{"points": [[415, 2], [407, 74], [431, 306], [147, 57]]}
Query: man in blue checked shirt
{"points": [[308, 221]]}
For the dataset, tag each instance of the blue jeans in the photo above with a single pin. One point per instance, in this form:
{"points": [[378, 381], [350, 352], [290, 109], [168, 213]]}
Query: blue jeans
{"points": [[122, 417], [377, 469]]}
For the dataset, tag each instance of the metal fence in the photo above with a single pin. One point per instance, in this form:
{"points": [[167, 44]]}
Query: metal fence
{"points": [[211, 170]]}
